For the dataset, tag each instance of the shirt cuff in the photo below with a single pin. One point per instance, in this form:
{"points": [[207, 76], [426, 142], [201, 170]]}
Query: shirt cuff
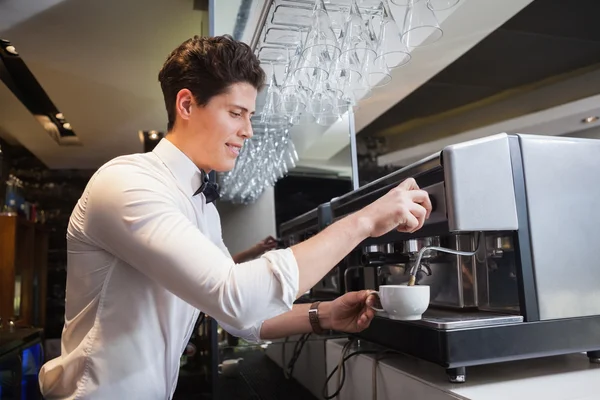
{"points": [[284, 268]]}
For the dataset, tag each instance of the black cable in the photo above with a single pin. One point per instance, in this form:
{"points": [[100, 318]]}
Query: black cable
{"points": [[297, 350], [346, 358], [296, 354], [339, 389], [285, 374]]}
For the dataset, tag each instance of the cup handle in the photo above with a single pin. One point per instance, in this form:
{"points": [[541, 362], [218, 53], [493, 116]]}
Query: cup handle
{"points": [[375, 308], [220, 368]]}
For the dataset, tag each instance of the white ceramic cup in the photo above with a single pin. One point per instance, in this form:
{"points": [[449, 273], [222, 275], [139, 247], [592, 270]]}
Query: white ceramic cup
{"points": [[402, 302], [229, 367]]}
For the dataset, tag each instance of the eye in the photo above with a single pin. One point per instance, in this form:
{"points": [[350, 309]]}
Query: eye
{"points": [[234, 114]]}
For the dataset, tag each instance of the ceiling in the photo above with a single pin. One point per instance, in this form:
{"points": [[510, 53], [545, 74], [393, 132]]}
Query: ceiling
{"points": [[563, 120], [546, 56], [98, 61]]}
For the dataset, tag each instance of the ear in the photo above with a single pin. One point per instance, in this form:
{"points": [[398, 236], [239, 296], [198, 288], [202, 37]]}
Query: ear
{"points": [[184, 103]]}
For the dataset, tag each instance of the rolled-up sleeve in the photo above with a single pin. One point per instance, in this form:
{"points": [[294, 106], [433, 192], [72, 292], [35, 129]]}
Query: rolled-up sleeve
{"points": [[136, 217], [251, 335]]}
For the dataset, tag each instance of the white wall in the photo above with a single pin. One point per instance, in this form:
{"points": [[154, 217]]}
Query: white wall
{"points": [[592, 133], [225, 15], [244, 226]]}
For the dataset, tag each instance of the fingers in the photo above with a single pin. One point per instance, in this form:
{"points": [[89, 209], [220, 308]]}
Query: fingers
{"points": [[269, 243], [365, 318], [417, 195], [410, 224], [372, 300], [422, 197], [408, 184], [358, 297], [363, 300], [419, 212]]}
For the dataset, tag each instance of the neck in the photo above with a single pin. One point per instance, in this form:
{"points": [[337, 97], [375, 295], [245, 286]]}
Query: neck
{"points": [[182, 141]]}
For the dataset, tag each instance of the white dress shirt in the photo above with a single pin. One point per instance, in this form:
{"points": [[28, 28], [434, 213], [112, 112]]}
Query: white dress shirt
{"points": [[144, 256]]}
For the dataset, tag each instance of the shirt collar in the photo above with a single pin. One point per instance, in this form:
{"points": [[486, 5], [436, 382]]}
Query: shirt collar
{"points": [[186, 173]]}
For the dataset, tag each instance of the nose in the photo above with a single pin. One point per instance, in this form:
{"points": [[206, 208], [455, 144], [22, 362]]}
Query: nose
{"points": [[246, 132]]}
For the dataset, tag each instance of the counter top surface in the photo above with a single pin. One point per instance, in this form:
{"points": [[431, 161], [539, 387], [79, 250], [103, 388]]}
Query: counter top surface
{"points": [[563, 377], [10, 340]]}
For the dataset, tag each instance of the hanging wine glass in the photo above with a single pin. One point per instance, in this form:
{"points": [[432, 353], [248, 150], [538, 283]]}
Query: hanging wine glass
{"points": [[421, 27], [439, 5]]}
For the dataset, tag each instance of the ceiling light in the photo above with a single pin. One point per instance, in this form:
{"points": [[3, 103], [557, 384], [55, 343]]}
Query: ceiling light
{"points": [[60, 116], [67, 125], [589, 120], [150, 136], [12, 50], [150, 139]]}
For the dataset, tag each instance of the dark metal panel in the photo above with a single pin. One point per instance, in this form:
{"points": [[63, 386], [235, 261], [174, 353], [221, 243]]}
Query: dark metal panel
{"points": [[478, 346]]}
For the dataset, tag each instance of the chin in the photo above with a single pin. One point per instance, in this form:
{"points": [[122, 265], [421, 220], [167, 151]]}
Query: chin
{"points": [[225, 166]]}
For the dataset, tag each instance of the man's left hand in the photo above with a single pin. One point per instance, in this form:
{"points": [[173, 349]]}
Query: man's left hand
{"points": [[256, 251], [263, 246]]}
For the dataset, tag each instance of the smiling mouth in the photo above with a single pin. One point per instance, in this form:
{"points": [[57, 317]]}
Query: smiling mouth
{"points": [[234, 149]]}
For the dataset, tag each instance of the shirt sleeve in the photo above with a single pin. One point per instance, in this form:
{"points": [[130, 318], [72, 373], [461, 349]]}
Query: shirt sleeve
{"points": [[135, 216], [251, 335], [220, 243]]}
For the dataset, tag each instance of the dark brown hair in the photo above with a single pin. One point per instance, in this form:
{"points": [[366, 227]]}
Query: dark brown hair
{"points": [[207, 66]]}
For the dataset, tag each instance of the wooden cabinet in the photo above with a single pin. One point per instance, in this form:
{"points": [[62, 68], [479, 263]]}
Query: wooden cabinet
{"points": [[23, 266]]}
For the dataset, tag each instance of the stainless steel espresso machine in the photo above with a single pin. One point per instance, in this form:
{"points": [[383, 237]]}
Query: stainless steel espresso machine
{"points": [[508, 252]]}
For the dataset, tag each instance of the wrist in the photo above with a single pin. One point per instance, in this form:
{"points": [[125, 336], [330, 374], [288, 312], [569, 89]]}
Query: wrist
{"points": [[325, 315], [252, 252], [362, 223]]}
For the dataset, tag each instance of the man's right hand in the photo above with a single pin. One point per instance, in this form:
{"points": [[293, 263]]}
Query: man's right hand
{"points": [[404, 208]]}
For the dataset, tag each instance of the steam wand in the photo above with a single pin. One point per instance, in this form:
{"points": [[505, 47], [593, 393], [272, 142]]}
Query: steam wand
{"points": [[413, 271]]}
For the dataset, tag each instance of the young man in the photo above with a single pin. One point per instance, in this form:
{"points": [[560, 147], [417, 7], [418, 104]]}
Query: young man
{"points": [[145, 252]]}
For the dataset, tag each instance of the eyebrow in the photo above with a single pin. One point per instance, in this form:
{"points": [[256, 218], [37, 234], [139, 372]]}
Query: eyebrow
{"points": [[241, 108]]}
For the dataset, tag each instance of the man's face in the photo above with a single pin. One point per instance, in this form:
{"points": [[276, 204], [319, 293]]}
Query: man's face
{"points": [[221, 127]]}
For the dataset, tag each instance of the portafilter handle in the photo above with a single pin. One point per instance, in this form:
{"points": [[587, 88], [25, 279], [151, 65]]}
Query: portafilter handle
{"points": [[346, 276]]}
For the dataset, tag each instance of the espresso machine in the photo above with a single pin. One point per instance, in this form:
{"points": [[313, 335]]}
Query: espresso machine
{"points": [[508, 252]]}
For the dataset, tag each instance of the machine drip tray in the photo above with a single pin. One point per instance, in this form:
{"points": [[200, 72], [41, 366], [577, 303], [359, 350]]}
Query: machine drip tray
{"points": [[450, 320]]}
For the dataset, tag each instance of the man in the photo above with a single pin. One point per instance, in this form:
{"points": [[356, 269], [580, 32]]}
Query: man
{"points": [[255, 251], [145, 252]]}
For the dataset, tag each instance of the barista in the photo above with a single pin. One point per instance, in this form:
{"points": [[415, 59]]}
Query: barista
{"points": [[145, 252]]}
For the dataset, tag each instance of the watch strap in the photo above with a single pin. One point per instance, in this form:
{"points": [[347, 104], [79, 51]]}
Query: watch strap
{"points": [[313, 317]]}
